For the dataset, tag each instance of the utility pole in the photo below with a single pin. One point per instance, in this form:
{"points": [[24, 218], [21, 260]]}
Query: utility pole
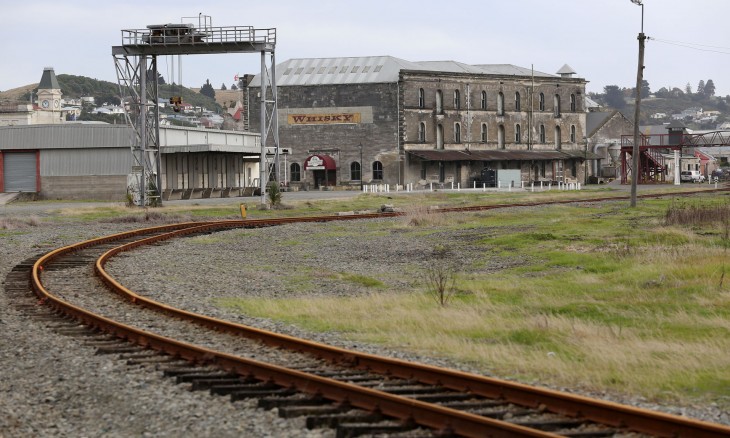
{"points": [[639, 82]]}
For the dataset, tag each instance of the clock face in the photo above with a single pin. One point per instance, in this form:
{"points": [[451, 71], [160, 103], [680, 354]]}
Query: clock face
{"points": [[45, 104]]}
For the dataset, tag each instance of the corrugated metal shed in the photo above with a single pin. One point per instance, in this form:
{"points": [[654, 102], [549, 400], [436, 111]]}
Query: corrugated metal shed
{"points": [[64, 136], [74, 162]]}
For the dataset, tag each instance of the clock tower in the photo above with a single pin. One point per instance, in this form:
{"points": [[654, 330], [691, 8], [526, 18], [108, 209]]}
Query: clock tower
{"points": [[49, 98]]}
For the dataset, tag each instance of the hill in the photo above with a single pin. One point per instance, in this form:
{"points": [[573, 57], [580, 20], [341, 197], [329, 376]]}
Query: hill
{"points": [[105, 91]]}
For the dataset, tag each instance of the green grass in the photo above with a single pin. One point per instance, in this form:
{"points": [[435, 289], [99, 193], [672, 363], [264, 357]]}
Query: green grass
{"points": [[602, 297]]}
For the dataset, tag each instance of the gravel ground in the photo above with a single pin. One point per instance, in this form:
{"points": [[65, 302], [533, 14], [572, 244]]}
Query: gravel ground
{"points": [[52, 385]]}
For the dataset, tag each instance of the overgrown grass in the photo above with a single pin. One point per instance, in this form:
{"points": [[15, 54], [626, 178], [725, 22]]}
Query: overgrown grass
{"points": [[604, 297]]}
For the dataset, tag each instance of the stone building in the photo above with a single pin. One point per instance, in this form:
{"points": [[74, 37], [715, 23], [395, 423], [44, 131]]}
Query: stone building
{"points": [[47, 111], [605, 129], [350, 121]]}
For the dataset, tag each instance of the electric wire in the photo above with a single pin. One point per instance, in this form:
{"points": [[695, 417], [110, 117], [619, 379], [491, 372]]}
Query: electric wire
{"points": [[693, 46]]}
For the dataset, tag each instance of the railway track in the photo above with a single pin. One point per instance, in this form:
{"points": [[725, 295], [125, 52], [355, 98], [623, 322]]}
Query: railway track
{"points": [[356, 392]]}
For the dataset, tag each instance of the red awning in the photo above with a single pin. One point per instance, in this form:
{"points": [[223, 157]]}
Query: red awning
{"points": [[320, 162]]}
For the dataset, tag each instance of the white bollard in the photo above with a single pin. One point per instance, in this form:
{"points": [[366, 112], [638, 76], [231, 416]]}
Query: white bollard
{"points": [[432, 187], [484, 187], [452, 185], [532, 187], [499, 184], [578, 186], [458, 187], [475, 185], [522, 186]]}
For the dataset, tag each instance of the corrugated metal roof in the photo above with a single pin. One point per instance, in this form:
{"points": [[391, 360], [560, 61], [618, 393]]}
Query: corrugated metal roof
{"points": [[376, 69]]}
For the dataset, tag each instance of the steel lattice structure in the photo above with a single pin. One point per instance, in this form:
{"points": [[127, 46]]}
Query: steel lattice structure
{"points": [[651, 161], [136, 66]]}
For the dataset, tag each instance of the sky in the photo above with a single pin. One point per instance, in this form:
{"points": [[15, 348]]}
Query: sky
{"points": [[598, 38]]}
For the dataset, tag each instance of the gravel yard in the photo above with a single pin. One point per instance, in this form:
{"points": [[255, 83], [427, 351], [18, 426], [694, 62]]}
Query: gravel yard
{"points": [[51, 385]]}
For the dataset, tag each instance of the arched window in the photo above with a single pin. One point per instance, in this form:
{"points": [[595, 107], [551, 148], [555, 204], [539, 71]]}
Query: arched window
{"points": [[484, 132], [542, 133], [439, 102], [500, 137], [484, 100], [295, 172], [541, 102], [517, 101], [556, 105], [421, 98], [457, 133], [572, 133], [422, 132], [457, 99], [572, 102], [518, 134], [440, 137], [558, 138], [377, 170], [355, 174], [500, 104]]}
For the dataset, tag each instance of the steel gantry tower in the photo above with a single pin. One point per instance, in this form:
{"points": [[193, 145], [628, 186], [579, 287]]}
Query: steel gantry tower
{"points": [[136, 65]]}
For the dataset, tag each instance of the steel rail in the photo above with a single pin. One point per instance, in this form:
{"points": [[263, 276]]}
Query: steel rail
{"points": [[599, 411], [596, 410], [403, 408]]}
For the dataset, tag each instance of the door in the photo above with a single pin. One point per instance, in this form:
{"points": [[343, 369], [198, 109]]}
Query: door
{"points": [[19, 171]]}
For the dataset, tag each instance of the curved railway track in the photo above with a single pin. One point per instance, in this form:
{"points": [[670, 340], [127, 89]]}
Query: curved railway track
{"points": [[326, 382]]}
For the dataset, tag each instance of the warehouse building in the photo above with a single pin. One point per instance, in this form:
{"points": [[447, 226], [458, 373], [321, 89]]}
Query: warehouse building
{"points": [[384, 120], [93, 161]]}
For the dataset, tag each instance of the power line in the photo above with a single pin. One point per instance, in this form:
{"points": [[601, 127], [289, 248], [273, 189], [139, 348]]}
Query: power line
{"points": [[693, 46]]}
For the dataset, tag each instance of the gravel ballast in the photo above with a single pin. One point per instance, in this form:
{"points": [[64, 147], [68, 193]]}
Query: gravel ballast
{"points": [[52, 385]]}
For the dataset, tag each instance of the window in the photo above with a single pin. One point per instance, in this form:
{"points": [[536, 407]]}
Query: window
{"points": [[355, 69], [423, 170], [500, 137], [541, 102], [440, 137], [295, 172], [517, 101], [542, 133], [518, 134], [556, 105], [572, 102], [572, 133], [366, 69], [500, 104], [484, 132], [321, 70], [439, 102], [558, 139], [457, 99], [457, 133], [484, 100], [422, 132], [377, 170], [421, 98], [355, 171]]}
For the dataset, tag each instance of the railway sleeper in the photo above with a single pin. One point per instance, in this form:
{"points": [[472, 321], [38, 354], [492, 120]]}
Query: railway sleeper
{"points": [[294, 400], [298, 411], [116, 349], [334, 420], [349, 430], [187, 377], [157, 359], [209, 383], [229, 389], [591, 433], [258, 393]]}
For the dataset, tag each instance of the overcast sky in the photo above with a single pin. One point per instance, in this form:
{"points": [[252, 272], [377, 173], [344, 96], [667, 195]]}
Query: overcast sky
{"points": [[598, 38]]}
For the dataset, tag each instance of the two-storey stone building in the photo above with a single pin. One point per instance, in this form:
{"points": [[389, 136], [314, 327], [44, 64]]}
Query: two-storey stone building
{"points": [[350, 121]]}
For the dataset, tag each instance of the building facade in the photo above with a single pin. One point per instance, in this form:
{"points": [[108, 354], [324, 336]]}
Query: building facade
{"points": [[376, 120]]}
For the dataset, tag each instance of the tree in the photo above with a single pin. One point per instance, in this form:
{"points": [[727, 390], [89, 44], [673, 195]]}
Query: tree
{"points": [[709, 88], [233, 87], [688, 88], [160, 79], [645, 90], [614, 97], [223, 87], [207, 89], [701, 88]]}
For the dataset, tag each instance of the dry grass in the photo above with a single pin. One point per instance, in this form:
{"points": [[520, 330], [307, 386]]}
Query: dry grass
{"points": [[13, 223], [609, 300]]}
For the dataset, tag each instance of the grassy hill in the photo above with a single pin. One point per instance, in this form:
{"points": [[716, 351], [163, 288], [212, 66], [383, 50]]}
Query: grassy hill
{"points": [[105, 91]]}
